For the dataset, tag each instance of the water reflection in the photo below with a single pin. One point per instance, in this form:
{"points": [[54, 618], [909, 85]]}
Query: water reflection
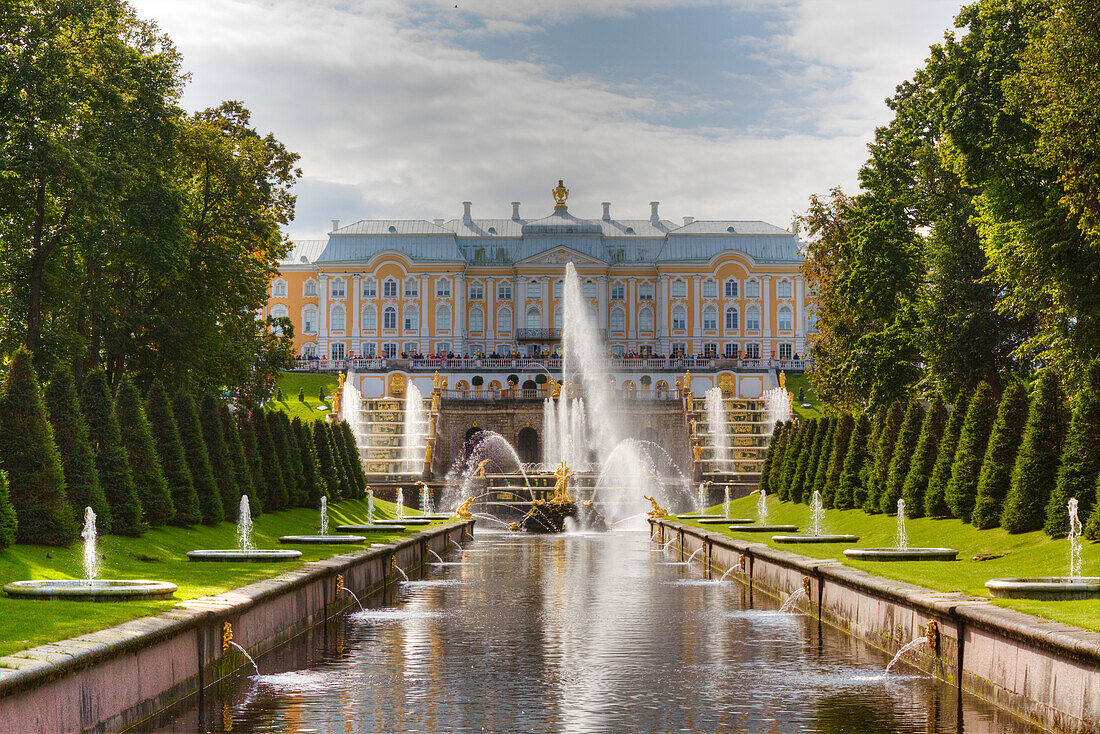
{"points": [[579, 634]]}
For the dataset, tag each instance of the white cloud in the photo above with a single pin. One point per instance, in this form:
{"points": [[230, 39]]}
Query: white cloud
{"points": [[376, 100]]}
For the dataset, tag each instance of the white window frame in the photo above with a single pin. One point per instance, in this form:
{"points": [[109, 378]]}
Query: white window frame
{"points": [[410, 318], [412, 287], [784, 288], [618, 291], [504, 321], [337, 350], [752, 318], [731, 288], [645, 291], [711, 313], [618, 320], [752, 288], [370, 288], [534, 289], [389, 288], [477, 290], [644, 315], [279, 288], [443, 318], [443, 288], [387, 312], [710, 288], [736, 312], [679, 288], [504, 291], [477, 320], [679, 318], [369, 319], [309, 320], [785, 314], [338, 319], [309, 288]]}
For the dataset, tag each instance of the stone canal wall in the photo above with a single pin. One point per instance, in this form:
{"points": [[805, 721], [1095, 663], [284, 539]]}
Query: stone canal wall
{"points": [[1047, 673], [115, 678]]}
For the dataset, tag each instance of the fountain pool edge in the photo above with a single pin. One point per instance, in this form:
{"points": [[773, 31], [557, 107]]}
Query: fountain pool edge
{"points": [[1001, 646], [177, 652]]}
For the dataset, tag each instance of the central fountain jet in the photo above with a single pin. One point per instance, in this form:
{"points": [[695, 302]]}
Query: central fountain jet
{"points": [[549, 515]]}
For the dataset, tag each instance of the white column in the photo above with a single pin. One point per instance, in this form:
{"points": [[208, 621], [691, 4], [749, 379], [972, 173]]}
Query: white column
{"points": [[765, 317], [547, 291], [632, 309], [424, 331], [490, 314], [661, 290], [354, 300], [460, 312], [601, 294], [697, 324], [520, 297], [322, 316], [799, 311]]}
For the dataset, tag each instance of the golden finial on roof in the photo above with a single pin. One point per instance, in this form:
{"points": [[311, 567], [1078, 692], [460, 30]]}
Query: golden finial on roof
{"points": [[560, 195]]}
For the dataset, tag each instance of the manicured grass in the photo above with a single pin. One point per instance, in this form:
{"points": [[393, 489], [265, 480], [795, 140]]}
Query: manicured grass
{"points": [[794, 382], [1026, 554], [160, 555], [310, 382]]}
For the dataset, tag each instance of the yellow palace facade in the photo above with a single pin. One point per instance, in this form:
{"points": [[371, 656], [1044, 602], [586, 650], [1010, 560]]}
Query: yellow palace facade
{"points": [[720, 288]]}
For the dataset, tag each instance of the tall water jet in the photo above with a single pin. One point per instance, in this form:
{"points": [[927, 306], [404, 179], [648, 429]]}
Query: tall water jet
{"points": [[351, 411], [551, 447], [1075, 563], [324, 515], [726, 502], [777, 404], [244, 525], [91, 557], [901, 550], [718, 427], [415, 431], [762, 508], [426, 499], [701, 497], [901, 537], [817, 514], [370, 504], [400, 508]]}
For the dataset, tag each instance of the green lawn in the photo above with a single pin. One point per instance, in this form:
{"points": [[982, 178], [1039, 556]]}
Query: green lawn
{"points": [[796, 381], [161, 555], [1027, 554], [309, 382]]}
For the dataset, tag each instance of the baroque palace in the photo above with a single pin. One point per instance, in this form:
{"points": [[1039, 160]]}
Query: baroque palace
{"points": [[713, 288]]}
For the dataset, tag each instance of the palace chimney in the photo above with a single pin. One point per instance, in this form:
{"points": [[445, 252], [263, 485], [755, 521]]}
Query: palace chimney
{"points": [[688, 220], [653, 216], [515, 211], [607, 211], [466, 211], [335, 224]]}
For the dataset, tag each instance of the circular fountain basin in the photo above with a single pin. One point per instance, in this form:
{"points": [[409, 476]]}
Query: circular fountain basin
{"points": [[374, 528], [322, 539], [720, 520], [698, 517], [98, 590], [404, 521], [1045, 587], [895, 554], [815, 538], [244, 556], [434, 516], [764, 528]]}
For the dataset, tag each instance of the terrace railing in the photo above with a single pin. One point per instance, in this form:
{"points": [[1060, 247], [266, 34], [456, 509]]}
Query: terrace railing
{"points": [[551, 364]]}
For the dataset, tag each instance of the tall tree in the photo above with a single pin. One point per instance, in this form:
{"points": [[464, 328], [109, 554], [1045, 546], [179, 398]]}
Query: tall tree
{"points": [[110, 456], [821, 462], [242, 472], [924, 457], [805, 459], [137, 439], [879, 472], [1000, 457], [198, 460], [901, 458], [260, 485], [1036, 465], [36, 483], [358, 476], [210, 419], [935, 500], [286, 458], [838, 452], [1080, 462], [962, 490], [70, 433], [311, 468], [329, 472], [173, 460], [849, 492], [774, 455], [790, 459], [275, 492]]}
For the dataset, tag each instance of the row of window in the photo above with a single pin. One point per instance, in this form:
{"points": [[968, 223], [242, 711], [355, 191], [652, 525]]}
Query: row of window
{"points": [[730, 350], [476, 290]]}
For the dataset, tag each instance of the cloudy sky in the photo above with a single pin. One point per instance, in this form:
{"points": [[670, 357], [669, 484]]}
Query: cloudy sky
{"points": [[723, 109]]}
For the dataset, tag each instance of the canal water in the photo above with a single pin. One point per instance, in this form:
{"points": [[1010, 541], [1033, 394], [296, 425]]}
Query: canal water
{"points": [[579, 633]]}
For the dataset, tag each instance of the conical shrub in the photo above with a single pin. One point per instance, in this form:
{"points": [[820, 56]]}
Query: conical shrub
{"points": [[1036, 467], [282, 452], [9, 523], [935, 496], [924, 458], [805, 459], [242, 472], [259, 497], [210, 420], [322, 443], [879, 472], [173, 460], [198, 460], [838, 452], [340, 456], [821, 460], [774, 454], [790, 459], [275, 493], [36, 483], [1000, 456], [110, 457], [902, 458], [1080, 464], [358, 476], [962, 490], [313, 482], [70, 434], [300, 495], [137, 439], [1092, 524], [850, 492]]}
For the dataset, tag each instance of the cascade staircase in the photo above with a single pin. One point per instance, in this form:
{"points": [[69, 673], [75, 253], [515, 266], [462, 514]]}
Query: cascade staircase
{"points": [[382, 439], [732, 454]]}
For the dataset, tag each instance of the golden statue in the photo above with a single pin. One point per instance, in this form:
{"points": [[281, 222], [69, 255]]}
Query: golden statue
{"points": [[782, 379], [561, 491], [560, 195], [428, 454], [340, 381], [463, 510], [687, 379], [513, 526], [431, 426], [435, 402], [339, 394], [436, 378], [480, 470], [697, 450], [657, 510], [690, 397], [693, 428], [444, 383], [555, 388]]}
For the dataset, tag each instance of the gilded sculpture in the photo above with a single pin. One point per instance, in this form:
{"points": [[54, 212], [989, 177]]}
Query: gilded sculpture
{"points": [[480, 470], [560, 195], [561, 488], [437, 379], [657, 510], [463, 510], [697, 451]]}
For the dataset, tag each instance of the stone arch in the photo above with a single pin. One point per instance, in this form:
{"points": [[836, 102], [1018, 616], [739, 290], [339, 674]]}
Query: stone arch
{"points": [[527, 445]]}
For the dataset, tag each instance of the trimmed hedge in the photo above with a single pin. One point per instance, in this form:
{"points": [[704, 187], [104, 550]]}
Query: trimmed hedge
{"points": [[110, 457], [36, 482], [287, 458], [901, 458], [774, 454], [322, 444], [198, 460], [805, 459], [962, 490], [242, 472], [70, 434], [821, 459], [1000, 456], [275, 492], [838, 453], [258, 500], [1036, 468], [358, 476], [935, 500], [137, 439], [1080, 467], [924, 458], [875, 482], [795, 438], [850, 490], [217, 450], [173, 460], [314, 483]]}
